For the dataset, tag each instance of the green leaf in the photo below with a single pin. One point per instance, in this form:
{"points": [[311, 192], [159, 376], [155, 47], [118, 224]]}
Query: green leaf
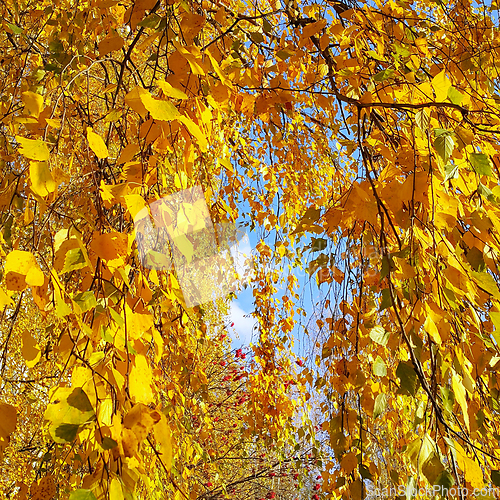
{"points": [[151, 21], [85, 300], [432, 468], [380, 405], [375, 55], [256, 37], [379, 335], [486, 281], [443, 143], [73, 260], [15, 29], [379, 367], [486, 192], [364, 472], [108, 443], [407, 377], [318, 244], [79, 400], [422, 119], [446, 481], [384, 75], [455, 96], [70, 409], [394, 477], [386, 299], [476, 259], [495, 477], [82, 495], [481, 163], [400, 50], [283, 54], [65, 433], [451, 171], [448, 399]]}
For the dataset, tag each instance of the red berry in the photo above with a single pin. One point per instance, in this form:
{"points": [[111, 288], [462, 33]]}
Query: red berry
{"points": [[300, 362]]}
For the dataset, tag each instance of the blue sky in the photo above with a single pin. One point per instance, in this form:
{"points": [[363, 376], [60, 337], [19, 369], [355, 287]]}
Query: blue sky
{"points": [[244, 331]]}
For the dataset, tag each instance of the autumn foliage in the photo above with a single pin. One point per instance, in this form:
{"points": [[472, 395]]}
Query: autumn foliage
{"points": [[358, 141]]}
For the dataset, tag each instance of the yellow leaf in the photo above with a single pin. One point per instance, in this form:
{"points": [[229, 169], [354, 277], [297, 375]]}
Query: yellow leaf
{"points": [[441, 84], [194, 60], [113, 193], [472, 471], [170, 91], [349, 462], [140, 381], [34, 149], [129, 442], [431, 328], [53, 122], [42, 182], [159, 110], [110, 45], [22, 270], [459, 391], [128, 153], [44, 490], [30, 349], [141, 419], [105, 413], [5, 300], [8, 421], [115, 490], [195, 130], [313, 28], [226, 81], [110, 246], [34, 102], [136, 206], [133, 99], [184, 246], [138, 323], [163, 438], [62, 308], [97, 144]]}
